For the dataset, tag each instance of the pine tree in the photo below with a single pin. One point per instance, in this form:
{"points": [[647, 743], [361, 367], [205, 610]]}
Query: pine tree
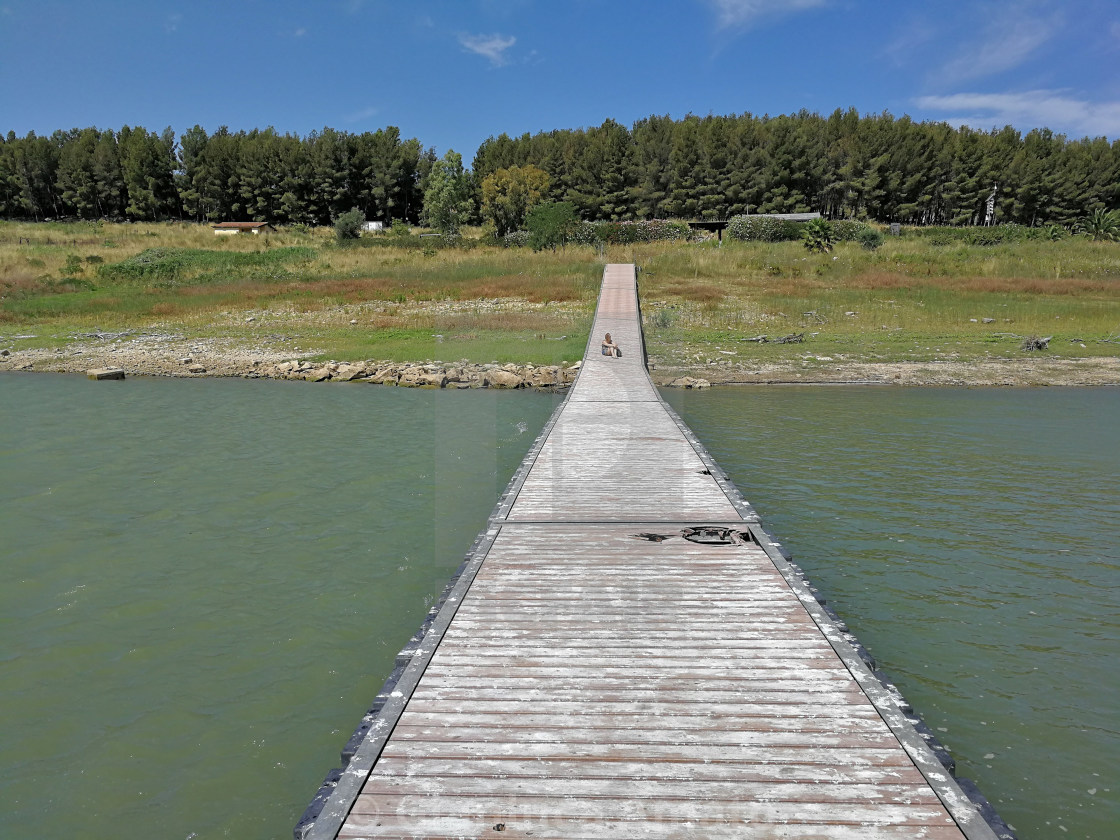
{"points": [[76, 178]]}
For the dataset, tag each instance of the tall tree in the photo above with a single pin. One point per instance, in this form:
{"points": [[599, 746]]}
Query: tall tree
{"points": [[146, 164], [76, 178], [509, 194], [448, 203]]}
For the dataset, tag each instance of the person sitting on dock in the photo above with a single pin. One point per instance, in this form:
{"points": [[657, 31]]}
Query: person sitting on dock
{"points": [[610, 348]]}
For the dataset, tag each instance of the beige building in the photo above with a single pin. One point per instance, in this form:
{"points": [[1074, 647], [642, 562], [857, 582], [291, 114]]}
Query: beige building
{"points": [[222, 228]]}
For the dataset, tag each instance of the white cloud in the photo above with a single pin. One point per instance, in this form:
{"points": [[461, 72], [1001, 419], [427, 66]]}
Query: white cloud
{"points": [[492, 47], [1054, 109], [172, 22], [299, 33], [1005, 46], [734, 13]]}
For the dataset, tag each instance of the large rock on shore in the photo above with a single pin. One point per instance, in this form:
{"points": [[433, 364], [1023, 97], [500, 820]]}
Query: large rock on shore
{"points": [[348, 373], [105, 373], [501, 379], [690, 382], [385, 376]]}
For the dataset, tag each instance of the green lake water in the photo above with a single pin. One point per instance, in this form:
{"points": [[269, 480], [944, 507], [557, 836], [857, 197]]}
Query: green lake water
{"points": [[206, 581], [969, 537]]}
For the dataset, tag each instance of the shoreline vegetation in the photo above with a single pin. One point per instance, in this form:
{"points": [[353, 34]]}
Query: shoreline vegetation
{"points": [[918, 309]]}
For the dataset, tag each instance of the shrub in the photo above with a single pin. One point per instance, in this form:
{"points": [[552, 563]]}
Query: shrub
{"points": [[762, 229], [817, 236], [349, 225], [167, 266], [848, 230], [516, 239], [645, 230], [992, 235], [1101, 226], [869, 238], [73, 266], [664, 318], [585, 233], [551, 224]]}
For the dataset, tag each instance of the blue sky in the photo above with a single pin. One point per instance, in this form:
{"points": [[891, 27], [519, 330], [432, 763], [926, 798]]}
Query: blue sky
{"points": [[454, 73]]}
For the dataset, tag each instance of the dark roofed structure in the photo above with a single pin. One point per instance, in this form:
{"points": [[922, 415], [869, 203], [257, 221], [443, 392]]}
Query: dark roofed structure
{"points": [[243, 227]]}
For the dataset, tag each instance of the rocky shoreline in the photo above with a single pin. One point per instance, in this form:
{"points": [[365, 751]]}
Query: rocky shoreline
{"points": [[162, 354], [167, 354]]}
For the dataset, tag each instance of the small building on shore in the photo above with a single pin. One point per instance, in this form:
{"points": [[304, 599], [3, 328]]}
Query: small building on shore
{"points": [[229, 228], [718, 225]]}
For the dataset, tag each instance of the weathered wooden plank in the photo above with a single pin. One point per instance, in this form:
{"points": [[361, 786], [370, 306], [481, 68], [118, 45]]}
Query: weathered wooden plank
{"points": [[634, 713], [839, 722], [671, 636], [574, 768], [631, 649], [650, 675], [423, 827], [592, 594], [585, 689], [745, 652], [686, 789], [567, 732], [727, 613], [621, 806], [774, 755], [449, 658]]}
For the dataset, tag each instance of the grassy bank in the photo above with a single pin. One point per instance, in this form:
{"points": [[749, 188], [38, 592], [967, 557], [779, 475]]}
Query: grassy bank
{"points": [[911, 300], [907, 301], [300, 288]]}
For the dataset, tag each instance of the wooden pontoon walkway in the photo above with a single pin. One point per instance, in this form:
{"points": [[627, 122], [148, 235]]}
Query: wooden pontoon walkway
{"points": [[585, 682]]}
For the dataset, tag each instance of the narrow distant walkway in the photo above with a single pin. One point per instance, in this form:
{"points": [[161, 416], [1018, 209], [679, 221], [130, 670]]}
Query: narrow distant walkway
{"points": [[598, 681]]}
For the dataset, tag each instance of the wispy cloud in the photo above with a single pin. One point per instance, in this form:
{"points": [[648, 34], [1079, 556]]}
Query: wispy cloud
{"points": [[740, 13], [1055, 109], [172, 22], [492, 47], [915, 35], [360, 116], [299, 33], [1006, 44]]}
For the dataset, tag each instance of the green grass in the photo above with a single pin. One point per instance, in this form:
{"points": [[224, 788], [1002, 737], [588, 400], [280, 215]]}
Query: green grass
{"points": [[169, 267], [911, 299], [403, 345]]}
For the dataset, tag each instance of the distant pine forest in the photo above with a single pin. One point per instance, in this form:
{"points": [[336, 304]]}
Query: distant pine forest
{"points": [[874, 167]]}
